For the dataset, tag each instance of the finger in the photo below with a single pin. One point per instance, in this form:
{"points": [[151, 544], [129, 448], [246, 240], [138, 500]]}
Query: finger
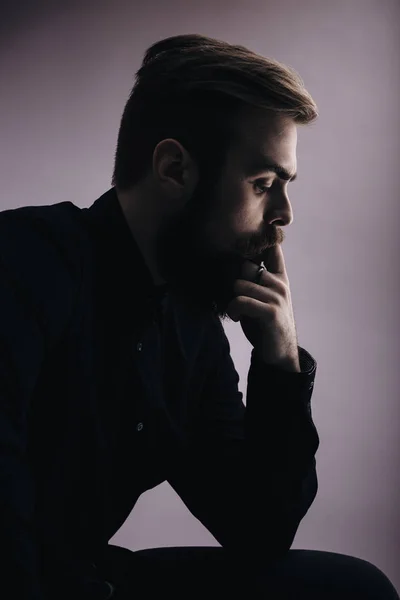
{"points": [[249, 270], [250, 307], [274, 260], [257, 292], [267, 282]]}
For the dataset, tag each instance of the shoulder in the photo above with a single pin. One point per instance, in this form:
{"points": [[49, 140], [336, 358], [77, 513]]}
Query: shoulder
{"points": [[41, 256]]}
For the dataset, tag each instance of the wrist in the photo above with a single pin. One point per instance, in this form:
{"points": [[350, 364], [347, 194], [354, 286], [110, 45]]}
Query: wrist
{"points": [[288, 363]]}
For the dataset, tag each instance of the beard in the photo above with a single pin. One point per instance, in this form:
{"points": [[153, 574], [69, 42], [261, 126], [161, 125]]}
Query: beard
{"points": [[194, 266]]}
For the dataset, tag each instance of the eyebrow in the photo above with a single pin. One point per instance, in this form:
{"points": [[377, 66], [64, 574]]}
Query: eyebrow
{"points": [[266, 164]]}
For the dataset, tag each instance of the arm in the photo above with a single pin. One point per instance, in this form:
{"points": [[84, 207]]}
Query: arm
{"points": [[32, 294], [249, 474]]}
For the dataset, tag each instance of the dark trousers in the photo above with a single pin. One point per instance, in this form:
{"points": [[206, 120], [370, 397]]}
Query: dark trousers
{"points": [[209, 572]]}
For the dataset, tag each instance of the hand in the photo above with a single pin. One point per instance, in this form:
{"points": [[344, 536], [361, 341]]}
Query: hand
{"points": [[265, 311]]}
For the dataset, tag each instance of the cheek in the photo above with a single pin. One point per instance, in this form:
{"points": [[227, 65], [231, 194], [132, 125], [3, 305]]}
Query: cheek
{"points": [[248, 217], [217, 233], [236, 213], [246, 205]]}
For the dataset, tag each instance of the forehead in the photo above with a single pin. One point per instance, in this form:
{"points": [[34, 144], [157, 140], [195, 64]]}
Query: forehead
{"points": [[263, 134]]}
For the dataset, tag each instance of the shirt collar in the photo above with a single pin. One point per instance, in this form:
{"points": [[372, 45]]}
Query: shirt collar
{"points": [[119, 248]]}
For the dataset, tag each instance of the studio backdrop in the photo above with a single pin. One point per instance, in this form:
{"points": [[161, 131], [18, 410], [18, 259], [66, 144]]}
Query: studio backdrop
{"points": [[66, 70]]}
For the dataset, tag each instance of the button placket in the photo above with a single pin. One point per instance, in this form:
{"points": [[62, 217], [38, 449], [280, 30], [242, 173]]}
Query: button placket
{"points": [[149, 336], [139, 425]]}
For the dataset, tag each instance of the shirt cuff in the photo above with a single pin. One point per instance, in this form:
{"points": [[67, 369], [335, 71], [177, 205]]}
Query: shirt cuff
{"points": [[308, 364], [282, 385]]}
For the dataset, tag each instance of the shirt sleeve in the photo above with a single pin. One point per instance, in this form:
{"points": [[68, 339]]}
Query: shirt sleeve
{"points": [[33, 296], [249, 473]]}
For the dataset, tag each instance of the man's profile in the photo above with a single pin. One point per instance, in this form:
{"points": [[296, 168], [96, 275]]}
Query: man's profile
{"points": [[115, 370]]}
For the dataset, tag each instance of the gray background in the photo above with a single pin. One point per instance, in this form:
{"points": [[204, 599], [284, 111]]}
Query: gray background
{"points": [[66, 72]]}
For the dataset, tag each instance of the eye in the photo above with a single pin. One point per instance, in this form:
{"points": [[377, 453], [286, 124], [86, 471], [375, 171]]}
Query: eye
{"points": [[258, 184]]}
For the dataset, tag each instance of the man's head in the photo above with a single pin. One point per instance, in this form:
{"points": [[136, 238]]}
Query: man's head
{"points": [[206, 149]]}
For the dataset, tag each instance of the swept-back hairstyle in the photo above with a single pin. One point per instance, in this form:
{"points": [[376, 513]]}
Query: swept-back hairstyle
{"points": [[193, 88]]}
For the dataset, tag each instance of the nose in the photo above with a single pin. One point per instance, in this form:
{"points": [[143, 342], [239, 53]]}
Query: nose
{"points": [[280, 210]]}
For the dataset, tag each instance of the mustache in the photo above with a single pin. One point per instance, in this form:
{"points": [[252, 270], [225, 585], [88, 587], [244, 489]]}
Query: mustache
{"points": [[256, 250]]}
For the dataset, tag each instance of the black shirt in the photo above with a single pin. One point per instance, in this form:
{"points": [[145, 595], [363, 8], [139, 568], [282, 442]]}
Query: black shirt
{"points": [[101, 400]]}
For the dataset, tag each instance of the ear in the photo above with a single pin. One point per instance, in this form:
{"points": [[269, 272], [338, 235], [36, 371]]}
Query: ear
{"points": [[174, 169]]}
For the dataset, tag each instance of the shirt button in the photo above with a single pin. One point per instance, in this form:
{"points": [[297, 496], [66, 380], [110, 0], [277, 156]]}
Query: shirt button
{"points": [[139, 427], [311, 385], [139, 346]]}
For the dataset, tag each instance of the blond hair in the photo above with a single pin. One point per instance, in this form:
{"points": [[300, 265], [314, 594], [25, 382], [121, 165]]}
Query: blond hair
{"points": [[192, 88]]}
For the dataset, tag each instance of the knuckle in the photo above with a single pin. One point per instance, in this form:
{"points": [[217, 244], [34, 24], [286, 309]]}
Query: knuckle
{"points": [[272, 312], [283, 289]]}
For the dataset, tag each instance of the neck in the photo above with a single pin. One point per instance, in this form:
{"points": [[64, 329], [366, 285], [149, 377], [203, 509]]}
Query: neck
{"points": [[143, 226]]}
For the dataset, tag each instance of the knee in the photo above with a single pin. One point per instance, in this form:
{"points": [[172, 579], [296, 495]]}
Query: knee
{"points": [[328, 576], [364, 580]]}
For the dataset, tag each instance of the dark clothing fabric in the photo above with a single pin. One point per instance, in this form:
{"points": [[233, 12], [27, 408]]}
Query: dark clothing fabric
{"points": [[207, 573], [102, 399]]}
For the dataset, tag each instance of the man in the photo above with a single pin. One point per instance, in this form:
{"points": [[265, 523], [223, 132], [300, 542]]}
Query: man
{"points": [[116, 373]]}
